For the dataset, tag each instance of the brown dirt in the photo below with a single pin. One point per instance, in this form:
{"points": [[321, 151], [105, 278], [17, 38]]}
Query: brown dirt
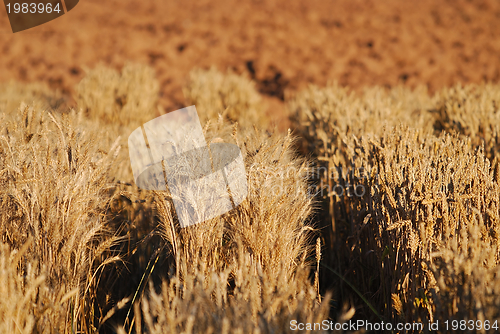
{"points": [[283, 45]]}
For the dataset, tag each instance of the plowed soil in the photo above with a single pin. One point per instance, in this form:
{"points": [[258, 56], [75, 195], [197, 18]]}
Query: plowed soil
{"points": [[283, 45]]}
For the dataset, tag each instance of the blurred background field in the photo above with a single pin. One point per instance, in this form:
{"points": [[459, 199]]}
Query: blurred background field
{"points": [[282, 45], [371, 146]]}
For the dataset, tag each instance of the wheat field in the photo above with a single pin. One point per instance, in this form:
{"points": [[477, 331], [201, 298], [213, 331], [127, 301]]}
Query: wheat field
{"points": [[381, 205]]}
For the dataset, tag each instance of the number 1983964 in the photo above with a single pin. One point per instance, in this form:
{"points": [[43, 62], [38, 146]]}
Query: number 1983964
{"points": [[32, 8]]}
